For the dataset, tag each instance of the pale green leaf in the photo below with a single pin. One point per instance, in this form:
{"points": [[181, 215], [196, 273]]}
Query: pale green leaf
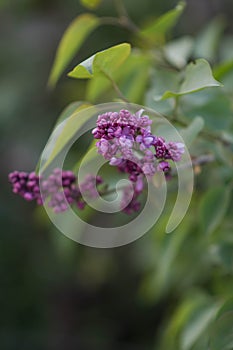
{"points": [[190, 133], [65, 133], [157, 30], [111, 59], [208, 40], [103, 62], [221, 335], [131, 78], [70, 109], [178, 51], [176, 332], [213, 207], [197, 324], [71, 41], [213, 105], [163, 80], [198, 76], [227, 136]]}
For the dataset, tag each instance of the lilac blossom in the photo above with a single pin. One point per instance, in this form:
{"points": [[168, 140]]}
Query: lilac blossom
{"points": [[175, 151], [126, 141], [89, 186], [26, 185], [126, 138], [129, 202], [60, 188]]}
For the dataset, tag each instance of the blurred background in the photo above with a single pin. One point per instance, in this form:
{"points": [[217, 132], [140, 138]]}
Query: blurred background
{"points": [[54, 293]]}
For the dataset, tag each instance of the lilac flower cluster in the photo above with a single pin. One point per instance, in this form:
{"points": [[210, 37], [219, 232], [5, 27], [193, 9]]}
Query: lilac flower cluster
{"points": [[129, 202], [125, 139], [60, 188], [26, 185]]}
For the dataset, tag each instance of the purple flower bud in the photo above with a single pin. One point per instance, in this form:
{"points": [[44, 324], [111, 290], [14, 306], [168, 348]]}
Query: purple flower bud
{"points": [[175, 151], [163, 166], [26, 185]]}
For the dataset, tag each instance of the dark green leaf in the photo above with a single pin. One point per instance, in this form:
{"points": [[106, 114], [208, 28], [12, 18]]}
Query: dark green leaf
{"points": [[213, 207], [221, 336]]}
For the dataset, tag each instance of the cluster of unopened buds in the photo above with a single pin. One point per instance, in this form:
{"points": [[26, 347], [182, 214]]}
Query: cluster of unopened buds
{"points": [[125, 140], [60, 188]]}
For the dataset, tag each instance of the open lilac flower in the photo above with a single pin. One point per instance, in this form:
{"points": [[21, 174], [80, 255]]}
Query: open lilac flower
{"points": [[126, 138], [126, 141], [175, 151]]}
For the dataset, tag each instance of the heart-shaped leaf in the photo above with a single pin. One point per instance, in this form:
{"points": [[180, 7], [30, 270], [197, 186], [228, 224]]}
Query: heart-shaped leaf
{"points": [[198, 76], [213, 207], [103, 62]]}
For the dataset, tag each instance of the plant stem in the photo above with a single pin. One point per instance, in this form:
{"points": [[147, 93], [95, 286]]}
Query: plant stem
{"points": [[120, 7], [123, 22], [124, 18], [115, 87]]}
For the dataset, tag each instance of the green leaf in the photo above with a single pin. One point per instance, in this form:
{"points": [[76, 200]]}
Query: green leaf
{"points": [[71, 41], [213, 105], [226, 48], [66, 113], [222, 69], [178, 51], [221, 336], [226, 307], [66, 132], [157, 30], [227, 136], [70, 109], [103, 62], [132, 79], [197, 324], [189, 321], [190, 133], [91, 4], [90, 156], [208, 40], [213, 207], [198, 76], [163, 80]]}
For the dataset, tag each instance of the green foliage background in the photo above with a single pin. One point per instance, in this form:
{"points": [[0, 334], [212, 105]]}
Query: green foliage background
{"points": [[162, 292]]}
